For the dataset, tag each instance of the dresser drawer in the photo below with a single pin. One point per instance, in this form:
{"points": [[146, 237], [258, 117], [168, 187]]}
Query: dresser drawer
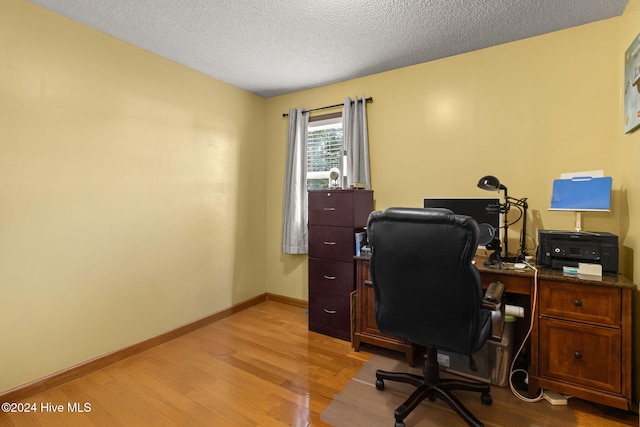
{"points": [[332, 277], [594, 304], [347, 208], [334, 243], [330, 314], [581, 354]]}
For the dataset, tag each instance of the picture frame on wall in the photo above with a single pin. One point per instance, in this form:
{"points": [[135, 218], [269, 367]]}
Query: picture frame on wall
{"points": [[632, 86]]}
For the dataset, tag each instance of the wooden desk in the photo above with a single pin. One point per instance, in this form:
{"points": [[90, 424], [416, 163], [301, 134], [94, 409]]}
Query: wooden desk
{"points": [[366, 327], [580, 343]]}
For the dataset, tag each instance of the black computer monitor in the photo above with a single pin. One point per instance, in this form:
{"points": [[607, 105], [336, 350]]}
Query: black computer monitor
{"points": [[472, 206]]}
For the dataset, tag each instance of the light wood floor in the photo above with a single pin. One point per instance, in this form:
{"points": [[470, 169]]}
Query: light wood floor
{"points": [[258, 367]]}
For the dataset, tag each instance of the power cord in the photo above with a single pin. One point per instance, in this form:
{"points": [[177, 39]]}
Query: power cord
{"points": [[512, 371]]}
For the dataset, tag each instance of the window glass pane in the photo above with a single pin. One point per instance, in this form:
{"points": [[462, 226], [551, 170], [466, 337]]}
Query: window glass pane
{"points": [[324, 151]]}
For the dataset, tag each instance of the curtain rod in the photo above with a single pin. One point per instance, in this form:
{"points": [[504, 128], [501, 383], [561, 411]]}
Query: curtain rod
{"points": [[369, 100]]}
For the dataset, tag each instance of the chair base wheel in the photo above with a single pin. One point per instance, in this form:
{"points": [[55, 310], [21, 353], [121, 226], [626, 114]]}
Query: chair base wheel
{"points": [[430, 386], [486, 399]]}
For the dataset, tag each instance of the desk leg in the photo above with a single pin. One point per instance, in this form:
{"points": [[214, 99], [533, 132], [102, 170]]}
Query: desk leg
{"points": [[356, 342], [533, 386], [411, 355]]}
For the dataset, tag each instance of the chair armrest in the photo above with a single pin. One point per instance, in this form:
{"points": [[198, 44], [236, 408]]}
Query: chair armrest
{"points": [[492, 301], [493, 295]]}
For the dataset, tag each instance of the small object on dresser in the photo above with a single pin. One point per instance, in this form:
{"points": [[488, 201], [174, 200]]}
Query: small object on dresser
{"points": [[590, 269]]}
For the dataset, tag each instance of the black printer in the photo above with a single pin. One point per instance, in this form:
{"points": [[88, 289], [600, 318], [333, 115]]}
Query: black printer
{"points": [[557, 249]]}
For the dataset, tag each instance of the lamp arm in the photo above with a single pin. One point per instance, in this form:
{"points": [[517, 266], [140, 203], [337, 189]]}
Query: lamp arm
{"points": [[518, 202], [492, 183], [523, 206], [523, 238]]}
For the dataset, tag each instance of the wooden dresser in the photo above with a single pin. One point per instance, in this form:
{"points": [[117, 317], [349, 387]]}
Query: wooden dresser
{"points": [[580, 344], [583, 338], [334, 218]]}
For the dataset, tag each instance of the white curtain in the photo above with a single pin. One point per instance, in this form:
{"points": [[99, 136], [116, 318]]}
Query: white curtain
{"points": [[356, 141], [294, 226]]}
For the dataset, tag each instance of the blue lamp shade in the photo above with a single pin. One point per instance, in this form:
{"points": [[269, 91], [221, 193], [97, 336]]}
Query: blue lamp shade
{"points": [[581, 194]]}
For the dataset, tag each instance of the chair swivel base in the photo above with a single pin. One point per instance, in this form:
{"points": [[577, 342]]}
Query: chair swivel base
{"points": [[431, 386]]}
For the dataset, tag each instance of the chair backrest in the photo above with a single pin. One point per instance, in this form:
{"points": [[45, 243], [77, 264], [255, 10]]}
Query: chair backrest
{"points": [[426, 288]]}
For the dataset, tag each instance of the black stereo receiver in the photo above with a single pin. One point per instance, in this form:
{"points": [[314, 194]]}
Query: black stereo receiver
{"points": [[557, 249]]}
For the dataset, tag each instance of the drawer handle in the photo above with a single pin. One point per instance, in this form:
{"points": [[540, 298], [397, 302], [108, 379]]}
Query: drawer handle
{"points": [[329, 209], [577, 303], [368, 283], [330, 311], [577, 355], [330, 277], [329, 243]]}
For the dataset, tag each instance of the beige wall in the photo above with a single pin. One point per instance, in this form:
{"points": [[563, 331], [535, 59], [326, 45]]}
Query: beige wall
{"points": [[131, 194], [630, 189], [629, 153], [524, 112], [137, 195]]}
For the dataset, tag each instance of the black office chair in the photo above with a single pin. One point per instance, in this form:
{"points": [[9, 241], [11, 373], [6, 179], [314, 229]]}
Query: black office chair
{"points": [[428, 292]]}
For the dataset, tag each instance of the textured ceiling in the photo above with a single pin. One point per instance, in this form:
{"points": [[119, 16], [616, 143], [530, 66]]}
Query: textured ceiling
{"points": [[273, 47]]}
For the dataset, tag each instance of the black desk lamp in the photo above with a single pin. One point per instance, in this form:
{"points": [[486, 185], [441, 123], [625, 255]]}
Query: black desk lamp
{"points": [[491, 183]]}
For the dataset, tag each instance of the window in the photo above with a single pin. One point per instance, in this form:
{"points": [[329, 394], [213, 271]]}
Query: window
{"points": [[324, 150]]}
